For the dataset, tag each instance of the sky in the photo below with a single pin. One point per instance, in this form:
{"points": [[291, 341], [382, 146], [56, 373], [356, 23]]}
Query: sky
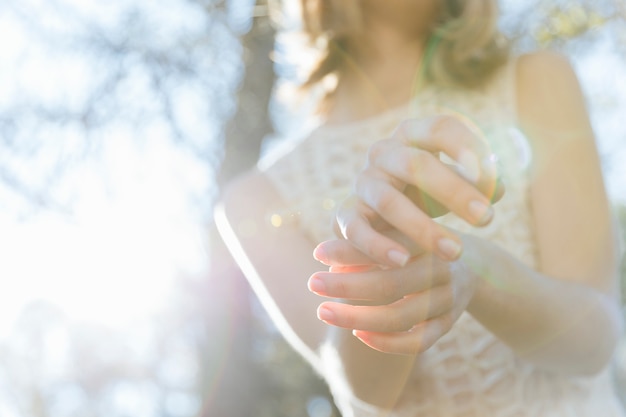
{"points": [[134, 203], [132, 230]]}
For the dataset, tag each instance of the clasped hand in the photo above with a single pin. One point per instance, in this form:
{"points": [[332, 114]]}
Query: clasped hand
{"points": [[398, 270]]}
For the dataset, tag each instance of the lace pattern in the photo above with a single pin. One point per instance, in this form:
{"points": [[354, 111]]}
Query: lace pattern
{"points": [[468, 372]]}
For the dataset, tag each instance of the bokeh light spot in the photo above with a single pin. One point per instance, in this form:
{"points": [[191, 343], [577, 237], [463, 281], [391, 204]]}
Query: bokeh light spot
{"points": [[319, 407], [329, 204], [276, 220]]}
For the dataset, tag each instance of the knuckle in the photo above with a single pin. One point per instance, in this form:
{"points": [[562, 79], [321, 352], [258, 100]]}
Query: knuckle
{"points": [[458, 190], [407, 128], [385, 201], [439, 123], [375, 151], [425, 233], [417, 162], [405, 125], [342, 289], [366, 182]]}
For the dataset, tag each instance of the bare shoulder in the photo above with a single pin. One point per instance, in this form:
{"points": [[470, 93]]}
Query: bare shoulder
{"points": [[277, 260], [569, 202], [544, 69], [547, 81], [243, 207], [249, 192], [544, 61], [239, 189], [551, 104]]}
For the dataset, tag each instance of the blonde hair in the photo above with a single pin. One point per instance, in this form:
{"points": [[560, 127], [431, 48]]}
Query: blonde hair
{"points": [[464, 49]]}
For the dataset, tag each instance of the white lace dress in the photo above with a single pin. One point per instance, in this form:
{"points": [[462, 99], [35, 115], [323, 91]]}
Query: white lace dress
{"points": [[468, 372]]}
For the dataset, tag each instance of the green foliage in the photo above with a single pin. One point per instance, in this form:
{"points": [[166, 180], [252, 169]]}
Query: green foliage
{"points": [[568, 22]]}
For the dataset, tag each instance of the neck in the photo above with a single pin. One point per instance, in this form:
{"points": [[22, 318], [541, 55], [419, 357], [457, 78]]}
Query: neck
{"points": [[390, 31], [383, 58], [379, 74]]}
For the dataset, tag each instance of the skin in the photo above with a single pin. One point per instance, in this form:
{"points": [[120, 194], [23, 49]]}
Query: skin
{"points": [[563, 317], [384, 59], [402, 183]]}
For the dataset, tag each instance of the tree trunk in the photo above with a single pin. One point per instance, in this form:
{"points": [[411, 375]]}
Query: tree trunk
{"points": [[236, 392]]}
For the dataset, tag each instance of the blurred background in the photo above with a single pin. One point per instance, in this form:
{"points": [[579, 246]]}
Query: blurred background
{"points": [[119, 123]]}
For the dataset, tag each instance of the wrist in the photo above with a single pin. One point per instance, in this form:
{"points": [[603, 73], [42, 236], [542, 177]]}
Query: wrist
{"points": [[474, 268]]}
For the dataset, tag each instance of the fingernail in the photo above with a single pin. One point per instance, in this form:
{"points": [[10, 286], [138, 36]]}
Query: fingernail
{"points": [[469, 166], [449, 248], [481, 212], [359, 334], [325, 314], [397, 257], [317, 285]]}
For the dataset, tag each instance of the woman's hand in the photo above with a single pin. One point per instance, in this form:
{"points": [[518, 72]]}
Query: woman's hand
{"points": [[407, 309], [405, 184]]}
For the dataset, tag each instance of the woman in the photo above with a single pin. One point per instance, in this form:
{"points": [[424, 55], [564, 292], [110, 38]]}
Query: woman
{"points": [[491, 310]]}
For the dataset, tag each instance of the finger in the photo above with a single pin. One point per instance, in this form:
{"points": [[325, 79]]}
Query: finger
{"points": [[461, 140], [431, 176], [355, 225], [498, 192], [436, 209], [422, 200], [340, 252], [351, 268], [402, 214], [381, 285], [425, 202], [417, 340], [398, 316]]}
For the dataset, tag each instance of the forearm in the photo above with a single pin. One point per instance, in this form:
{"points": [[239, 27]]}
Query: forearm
{"points": [[276, 260], [559, 325], [374, 377]]}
